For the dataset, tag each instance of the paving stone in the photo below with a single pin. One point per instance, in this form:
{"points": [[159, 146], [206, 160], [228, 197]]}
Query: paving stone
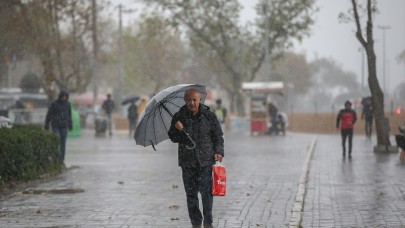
{"points": [[126, 185]]}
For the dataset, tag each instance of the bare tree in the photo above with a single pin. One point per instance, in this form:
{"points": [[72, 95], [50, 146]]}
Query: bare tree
{"points": [[60, 37], [213, 29], [367, 41]]}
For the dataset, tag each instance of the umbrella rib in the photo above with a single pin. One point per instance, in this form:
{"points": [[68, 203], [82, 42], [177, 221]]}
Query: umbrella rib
{"points": [[147, 116], [169, 100], [174, 104], [167, 110]]}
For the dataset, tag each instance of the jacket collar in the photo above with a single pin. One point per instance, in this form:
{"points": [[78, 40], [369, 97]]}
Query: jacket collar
{"points": [[202, 110]]}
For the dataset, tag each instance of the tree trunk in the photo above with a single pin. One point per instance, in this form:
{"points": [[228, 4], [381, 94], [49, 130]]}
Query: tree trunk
{"points": [[377, 95], [378, 100]]}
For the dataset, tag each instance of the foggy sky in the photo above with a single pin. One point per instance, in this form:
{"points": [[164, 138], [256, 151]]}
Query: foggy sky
{"points": [[332, 39], [335, 40]]}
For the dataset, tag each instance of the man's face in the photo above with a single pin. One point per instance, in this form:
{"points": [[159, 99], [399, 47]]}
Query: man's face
{"points": [[192, 101], [348, 106], [64, 98]]}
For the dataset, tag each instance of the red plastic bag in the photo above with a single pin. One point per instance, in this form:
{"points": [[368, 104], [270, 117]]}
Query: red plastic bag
{"points": [[218, 180]]}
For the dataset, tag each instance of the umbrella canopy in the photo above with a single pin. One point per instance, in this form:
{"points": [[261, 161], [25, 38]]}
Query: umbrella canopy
{"points": [[154, 121], [129, 100]]}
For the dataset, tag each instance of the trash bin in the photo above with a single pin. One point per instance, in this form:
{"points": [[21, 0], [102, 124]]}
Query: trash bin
{"points": [[101, 125], [75, 132]]}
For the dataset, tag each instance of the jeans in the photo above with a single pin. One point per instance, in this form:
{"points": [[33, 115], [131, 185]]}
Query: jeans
{"points": [[198, 179], [132, 126], [368, 127], [109, 124], [347, 133], [62, 134]]}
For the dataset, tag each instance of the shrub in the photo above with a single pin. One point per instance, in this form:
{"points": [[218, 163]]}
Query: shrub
{"points": [[26, 152]]}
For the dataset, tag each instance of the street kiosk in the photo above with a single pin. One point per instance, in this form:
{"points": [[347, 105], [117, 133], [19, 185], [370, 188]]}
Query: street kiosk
{"points": [[258, 93]]}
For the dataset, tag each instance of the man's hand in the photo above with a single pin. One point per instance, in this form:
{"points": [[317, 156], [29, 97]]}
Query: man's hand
{"points": [[179, 126], [218, 157]]}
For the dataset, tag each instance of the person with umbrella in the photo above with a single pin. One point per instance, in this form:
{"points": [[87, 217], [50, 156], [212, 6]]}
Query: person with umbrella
{"points": [[196, 161], [368, 115], [132, 117]]}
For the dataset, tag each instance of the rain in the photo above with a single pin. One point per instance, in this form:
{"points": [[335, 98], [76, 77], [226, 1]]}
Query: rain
{"points": [[242, 113]]}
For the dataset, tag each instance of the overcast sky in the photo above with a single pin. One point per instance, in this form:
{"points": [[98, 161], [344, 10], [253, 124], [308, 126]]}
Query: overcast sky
{"points": [[332, 39]]}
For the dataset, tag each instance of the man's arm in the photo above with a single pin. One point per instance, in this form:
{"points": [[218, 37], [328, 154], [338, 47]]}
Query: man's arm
{"points": [[338, 119], [354, 117], [176, 135], [48, 117], [70, 123]]}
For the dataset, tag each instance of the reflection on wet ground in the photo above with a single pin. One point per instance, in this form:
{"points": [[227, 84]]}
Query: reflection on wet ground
{"points": [[364, 191]]}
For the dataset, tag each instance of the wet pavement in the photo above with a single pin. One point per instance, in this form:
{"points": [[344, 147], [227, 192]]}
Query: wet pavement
{"points": [[114, 183], [365, 191]]}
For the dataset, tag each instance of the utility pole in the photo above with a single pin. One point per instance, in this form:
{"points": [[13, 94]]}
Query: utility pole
{"points": [[266, 41], [384, 28], [120, 89], [95, 52], [121, 56]]}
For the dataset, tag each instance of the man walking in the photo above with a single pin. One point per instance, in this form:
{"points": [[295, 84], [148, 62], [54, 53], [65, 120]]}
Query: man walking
{"points": [[196, 163], [221, 113], [59, 116], [346, 119], [367, 115], [108, 107], [132, 117]]}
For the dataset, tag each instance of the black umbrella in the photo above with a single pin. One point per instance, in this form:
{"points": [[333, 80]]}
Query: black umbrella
{"points": [[154, 121], [129, 100]]}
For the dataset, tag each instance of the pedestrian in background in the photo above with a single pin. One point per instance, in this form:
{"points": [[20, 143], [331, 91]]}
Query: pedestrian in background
{"points": [[196, 164], [221, 113], [141, 105], [272, 111], [20, 112], [345, 120], [59, 117], [132, 117], [368, 115], [108, 107]]}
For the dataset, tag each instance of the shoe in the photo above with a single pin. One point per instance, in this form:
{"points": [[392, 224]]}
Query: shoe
{"points": [[208, 226], [196, 226], [344, 154]]}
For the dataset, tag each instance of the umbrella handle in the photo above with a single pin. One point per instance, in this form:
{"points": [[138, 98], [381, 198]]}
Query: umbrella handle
{"points": [[192, 141]]}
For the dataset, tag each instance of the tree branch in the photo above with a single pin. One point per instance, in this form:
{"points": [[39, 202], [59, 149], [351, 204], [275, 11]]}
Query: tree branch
{"points": [[359, 35]]}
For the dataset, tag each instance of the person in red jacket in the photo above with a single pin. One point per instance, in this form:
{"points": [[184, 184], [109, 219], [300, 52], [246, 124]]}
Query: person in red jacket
{"points": [[346, 119]]}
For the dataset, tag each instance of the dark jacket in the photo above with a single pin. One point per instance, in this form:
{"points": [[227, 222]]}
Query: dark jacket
{"points": [[204, 128], [346, 119], [108, 106], [59, 114], [367, 112], [133, 112]]}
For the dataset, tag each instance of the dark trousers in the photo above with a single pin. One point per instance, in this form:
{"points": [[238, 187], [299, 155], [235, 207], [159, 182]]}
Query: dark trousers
{"points": [[368, 127], [62, 134], [347, 133], [198, 179], [132, 126], [109, 124]]}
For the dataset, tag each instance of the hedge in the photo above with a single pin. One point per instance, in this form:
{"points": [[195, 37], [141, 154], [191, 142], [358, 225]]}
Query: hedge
{"points": [[27, 152]]}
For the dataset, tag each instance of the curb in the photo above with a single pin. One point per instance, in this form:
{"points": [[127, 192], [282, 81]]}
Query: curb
{"points": [[296, 217]]}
